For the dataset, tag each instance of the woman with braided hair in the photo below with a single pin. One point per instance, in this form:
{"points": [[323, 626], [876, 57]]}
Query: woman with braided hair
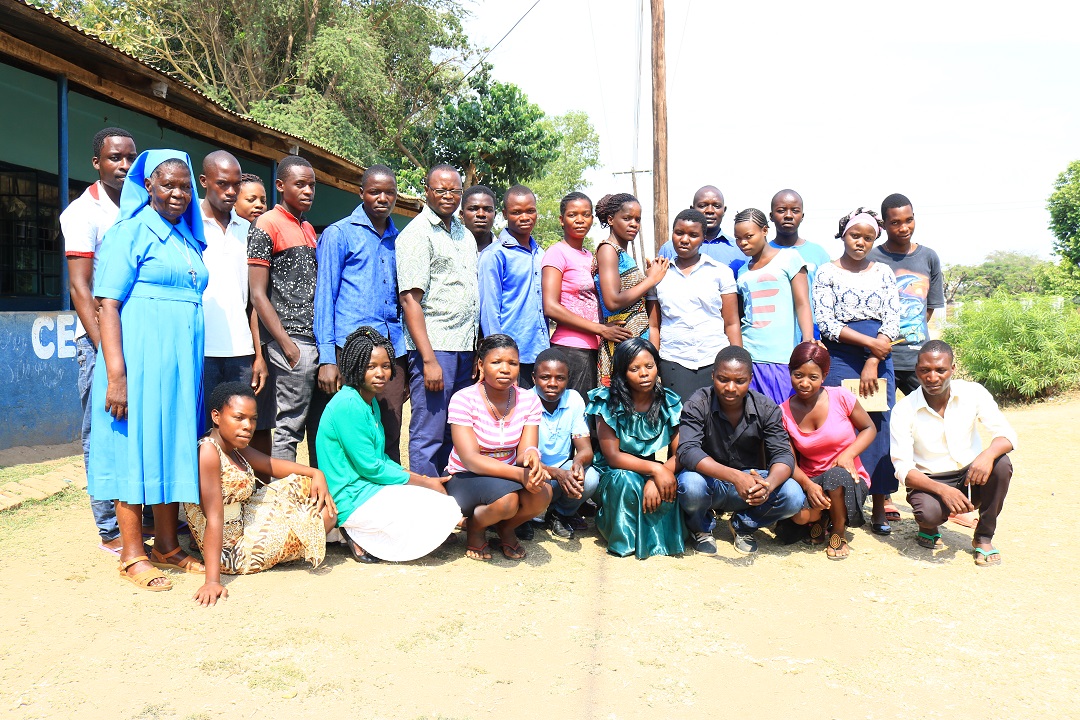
{"points": [[776, 298], [626, 295], [384, 511]]}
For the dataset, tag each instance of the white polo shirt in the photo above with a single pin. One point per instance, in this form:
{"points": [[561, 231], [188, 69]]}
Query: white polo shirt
{"points": [[86, 220], [225, 299], [691, 322], [925, 441]]}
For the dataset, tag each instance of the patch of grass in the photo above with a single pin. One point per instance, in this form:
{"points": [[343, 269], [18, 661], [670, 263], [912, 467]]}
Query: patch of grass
{"points": [[445, 631], [151, 712], [32, 512], [282, 675], [218, 667], [197, 716], [18, 472]]}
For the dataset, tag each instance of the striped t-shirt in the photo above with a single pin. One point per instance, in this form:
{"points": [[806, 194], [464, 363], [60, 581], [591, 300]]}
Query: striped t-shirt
{"points": [[468, 407]]}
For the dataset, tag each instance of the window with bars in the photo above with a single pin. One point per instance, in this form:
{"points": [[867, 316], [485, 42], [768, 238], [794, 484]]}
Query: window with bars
{"points": [[31, 249]]}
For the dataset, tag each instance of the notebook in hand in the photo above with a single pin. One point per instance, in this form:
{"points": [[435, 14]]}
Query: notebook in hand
{"points": [[878, 402]]}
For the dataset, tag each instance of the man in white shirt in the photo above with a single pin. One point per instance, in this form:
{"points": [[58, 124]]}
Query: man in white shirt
{"points": [[233, 352], [83, 225], [939, 457]]}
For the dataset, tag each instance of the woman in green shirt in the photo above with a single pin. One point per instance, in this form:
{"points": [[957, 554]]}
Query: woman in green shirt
{"points": [[384, 511]]}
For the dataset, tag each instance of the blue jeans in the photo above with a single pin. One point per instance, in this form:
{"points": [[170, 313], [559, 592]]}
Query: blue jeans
{"points": [[565, 505], [698, 494], [104, 512]]}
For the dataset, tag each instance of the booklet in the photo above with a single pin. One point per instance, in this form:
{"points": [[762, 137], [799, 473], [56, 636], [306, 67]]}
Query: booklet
{"points": [[878, 402]]}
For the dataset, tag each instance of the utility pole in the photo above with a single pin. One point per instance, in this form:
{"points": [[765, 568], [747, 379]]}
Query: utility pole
{"points": [[659, 115], [633, 173]]}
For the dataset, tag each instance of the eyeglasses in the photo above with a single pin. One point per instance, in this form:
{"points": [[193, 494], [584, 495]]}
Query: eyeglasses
{"points": [[444, 192]]}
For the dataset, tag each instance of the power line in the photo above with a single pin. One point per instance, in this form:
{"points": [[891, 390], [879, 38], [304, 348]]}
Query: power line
{"points": [[599, 75], [492, 48]]}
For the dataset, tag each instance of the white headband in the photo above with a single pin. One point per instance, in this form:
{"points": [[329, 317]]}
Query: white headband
{"points": [[864, 219]]}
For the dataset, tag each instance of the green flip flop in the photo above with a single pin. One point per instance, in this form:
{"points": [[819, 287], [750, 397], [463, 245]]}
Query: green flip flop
{"points": [[929, 541], [986, 558]]}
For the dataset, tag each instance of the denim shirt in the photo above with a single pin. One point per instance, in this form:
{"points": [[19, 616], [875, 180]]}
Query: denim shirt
{"points": [[357, 284], [510, 294]]}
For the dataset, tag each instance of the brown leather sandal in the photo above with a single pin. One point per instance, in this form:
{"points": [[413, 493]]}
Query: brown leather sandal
{"points": [[837, 543], [189, 564], [144, 578]]}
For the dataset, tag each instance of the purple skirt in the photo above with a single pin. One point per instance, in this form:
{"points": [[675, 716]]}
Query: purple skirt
{"points": [[773, 380]]}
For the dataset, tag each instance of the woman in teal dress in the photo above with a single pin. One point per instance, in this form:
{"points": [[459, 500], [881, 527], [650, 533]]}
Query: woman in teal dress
{"points": [[635, 418], [147, 383]]}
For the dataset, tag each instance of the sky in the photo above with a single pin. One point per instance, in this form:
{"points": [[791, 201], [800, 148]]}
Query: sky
{"points": [[969, 109]]}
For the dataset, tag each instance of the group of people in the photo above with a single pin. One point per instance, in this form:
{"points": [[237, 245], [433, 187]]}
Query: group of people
{"points": [[723, 376]]}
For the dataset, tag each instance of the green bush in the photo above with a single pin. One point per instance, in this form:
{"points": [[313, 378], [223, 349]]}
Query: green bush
{"points": [[1019, 349]]}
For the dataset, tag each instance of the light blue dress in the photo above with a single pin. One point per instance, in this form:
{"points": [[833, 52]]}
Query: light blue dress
{"points": [[155, 270]]}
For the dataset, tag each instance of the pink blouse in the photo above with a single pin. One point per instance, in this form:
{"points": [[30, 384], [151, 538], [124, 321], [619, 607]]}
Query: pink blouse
{"points": [[818, 450], [468, 407]]}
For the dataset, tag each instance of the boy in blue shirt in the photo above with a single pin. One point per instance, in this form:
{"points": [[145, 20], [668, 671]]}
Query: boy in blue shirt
{"points": [[786, 212], [565, 447]]}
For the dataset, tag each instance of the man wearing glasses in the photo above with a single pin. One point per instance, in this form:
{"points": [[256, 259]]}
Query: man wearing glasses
{"points": [[440, 301]]}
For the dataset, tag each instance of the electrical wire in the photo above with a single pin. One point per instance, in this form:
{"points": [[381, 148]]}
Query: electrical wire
{"points": [[492, 48]]}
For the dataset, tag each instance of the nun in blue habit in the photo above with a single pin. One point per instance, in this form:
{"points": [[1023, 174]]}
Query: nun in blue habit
{"points": [[147, 385]]}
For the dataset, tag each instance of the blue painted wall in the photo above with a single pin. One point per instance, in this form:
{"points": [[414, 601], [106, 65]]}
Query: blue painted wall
{"points": [[38, 376]]}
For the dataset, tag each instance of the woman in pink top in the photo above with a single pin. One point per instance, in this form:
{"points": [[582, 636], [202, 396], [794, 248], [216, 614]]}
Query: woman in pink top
{"points": [[828, 430], [496, 475], [570, 295]]}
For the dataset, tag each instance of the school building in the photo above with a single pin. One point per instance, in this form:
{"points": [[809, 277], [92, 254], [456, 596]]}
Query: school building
{"points": [[60, 86]]}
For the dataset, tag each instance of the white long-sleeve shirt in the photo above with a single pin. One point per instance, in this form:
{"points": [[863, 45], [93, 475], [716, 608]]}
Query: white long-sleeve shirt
{"points": [[925, 441]]}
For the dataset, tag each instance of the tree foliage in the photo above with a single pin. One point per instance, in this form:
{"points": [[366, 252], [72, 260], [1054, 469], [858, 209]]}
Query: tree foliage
{"points": [[494, 134], [1064, 207], [357, 77], [1012, 272], [578, 151]]}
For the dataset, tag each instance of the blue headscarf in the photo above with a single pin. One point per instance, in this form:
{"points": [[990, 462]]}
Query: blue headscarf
{"points": [[133, 196]]}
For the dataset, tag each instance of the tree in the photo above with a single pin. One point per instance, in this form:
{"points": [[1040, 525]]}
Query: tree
{"points": [[578, 151], [1012, 272], [356, 77], [494, 134], [1060, 279], [1064, 207]]}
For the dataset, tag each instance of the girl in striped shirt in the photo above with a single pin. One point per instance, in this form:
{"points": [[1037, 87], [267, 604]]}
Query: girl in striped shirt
{"points": [[496, 474]]}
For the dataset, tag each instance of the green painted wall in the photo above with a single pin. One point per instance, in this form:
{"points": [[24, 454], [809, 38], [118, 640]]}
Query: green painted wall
{"points": [[29, 115]]}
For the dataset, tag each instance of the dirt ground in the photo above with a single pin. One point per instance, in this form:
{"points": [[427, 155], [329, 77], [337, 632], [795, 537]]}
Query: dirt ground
{"points": [[571, 632]]}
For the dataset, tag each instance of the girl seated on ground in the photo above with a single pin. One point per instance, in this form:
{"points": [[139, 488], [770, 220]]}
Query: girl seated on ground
{"points": [[239, 526], [496, 474], [776, 303], [828, 430], [636, 418], [384, 511]]}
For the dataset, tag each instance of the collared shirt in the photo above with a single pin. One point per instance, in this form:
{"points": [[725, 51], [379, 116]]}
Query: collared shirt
{"points": [[559, 427], [758, 441], [442, 265], [510, 300], [721, 248], [225, 300], [691, 321], [925, 441], [86, 220], [286, 244], [357, 284]]}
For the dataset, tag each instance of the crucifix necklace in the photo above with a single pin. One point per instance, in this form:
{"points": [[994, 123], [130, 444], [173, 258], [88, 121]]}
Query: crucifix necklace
{"points": [[186, 254]]}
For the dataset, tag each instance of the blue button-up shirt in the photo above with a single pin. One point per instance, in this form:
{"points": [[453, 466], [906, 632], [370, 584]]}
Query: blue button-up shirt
{"points": [[357, 284], [510, 299], [721, 248]]}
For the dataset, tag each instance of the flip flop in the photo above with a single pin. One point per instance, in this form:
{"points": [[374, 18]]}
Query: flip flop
{"points": [[891, 513], [930, 541], [968, 520], [986, 558], [837, 543], [114, 551], [479, 550], [512, 552]]}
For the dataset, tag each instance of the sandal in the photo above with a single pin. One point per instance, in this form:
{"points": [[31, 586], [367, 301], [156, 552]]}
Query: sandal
{"points": [[837, 549], [512, 552], [818, 530], [480, 552], [144, 578], [189, 564], [891, 513], [929, 541], [358, 553], [986, 558]]}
